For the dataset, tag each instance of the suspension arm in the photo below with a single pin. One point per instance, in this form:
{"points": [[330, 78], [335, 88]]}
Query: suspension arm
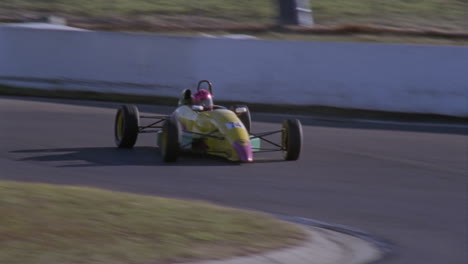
{"points": [[264, 134]]}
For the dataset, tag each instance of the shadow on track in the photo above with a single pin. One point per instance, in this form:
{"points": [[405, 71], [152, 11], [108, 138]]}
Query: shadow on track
{"points": [[111, 156]]}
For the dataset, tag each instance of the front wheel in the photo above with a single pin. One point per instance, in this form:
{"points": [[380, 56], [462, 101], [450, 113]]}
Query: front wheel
{"points": [[170, 140], [291, 139], [126, 125]]}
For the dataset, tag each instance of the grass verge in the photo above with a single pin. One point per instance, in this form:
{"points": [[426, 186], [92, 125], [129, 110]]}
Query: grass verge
{"points": [[443, 14], [46, 224], [438, 22], [315, 110]]}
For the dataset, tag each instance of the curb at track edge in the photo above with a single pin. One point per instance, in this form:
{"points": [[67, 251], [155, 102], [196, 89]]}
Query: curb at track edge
{"points": [[385, 246]]}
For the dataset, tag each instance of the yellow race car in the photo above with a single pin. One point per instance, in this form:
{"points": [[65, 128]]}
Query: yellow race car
{"points": [[197, 125]]}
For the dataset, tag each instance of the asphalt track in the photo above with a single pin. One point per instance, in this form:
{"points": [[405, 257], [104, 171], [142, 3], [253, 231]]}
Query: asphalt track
{"points": [[401, 182]]}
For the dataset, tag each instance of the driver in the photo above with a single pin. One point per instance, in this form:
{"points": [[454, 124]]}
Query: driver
{"points": [[203, 98]]}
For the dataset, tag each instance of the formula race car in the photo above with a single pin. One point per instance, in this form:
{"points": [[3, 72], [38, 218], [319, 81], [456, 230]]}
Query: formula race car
{"points": [[197, 125]]}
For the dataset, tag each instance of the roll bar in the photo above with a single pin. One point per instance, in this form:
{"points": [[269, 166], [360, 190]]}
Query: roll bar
{"points": [[210, 86]]}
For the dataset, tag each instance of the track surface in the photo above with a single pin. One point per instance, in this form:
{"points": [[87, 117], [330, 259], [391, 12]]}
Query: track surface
{"points": [[405, 183]]}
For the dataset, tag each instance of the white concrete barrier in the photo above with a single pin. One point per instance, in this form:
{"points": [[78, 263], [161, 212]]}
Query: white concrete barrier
{"points": [[389, 77]]}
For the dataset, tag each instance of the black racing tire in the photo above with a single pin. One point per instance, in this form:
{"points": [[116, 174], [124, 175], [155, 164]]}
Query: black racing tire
{"points": [[292, 139], [126, 125], [245, 118], [170, 140]]}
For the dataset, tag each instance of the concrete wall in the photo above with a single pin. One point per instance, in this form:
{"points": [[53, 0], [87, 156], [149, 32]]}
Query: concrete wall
{"points": [[406, 78]]}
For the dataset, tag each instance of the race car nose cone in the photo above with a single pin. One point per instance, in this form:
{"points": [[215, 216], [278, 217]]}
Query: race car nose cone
{"points": [[244, 150]]}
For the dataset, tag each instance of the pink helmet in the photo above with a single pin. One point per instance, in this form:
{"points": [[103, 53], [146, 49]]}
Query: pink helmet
{"points": [[203, 98]]}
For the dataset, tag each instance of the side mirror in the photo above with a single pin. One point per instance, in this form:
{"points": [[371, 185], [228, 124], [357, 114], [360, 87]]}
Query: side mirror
{"points": [[240, 110], [197, 108]]}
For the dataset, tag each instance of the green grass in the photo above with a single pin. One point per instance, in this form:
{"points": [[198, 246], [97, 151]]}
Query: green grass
{"points": [[45, 224], [203, 7], [248, 15], [445, 14], [399, 13], [244, 10]]}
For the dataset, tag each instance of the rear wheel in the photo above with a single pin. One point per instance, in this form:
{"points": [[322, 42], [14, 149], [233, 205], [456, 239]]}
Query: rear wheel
{"points": [[244, 117], [126, 125], [170, 140], [292, 139]]}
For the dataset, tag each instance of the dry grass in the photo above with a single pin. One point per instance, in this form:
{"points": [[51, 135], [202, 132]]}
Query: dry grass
{"points": [[440, 14], [446, 21], [46, 224]]}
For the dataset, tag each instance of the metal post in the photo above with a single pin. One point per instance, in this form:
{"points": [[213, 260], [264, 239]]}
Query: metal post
{"points": [[287, 12], [295, 12], [304, 13]]}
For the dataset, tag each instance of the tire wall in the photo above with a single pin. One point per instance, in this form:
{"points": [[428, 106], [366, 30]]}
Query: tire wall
{"points": [[390, 77]]}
